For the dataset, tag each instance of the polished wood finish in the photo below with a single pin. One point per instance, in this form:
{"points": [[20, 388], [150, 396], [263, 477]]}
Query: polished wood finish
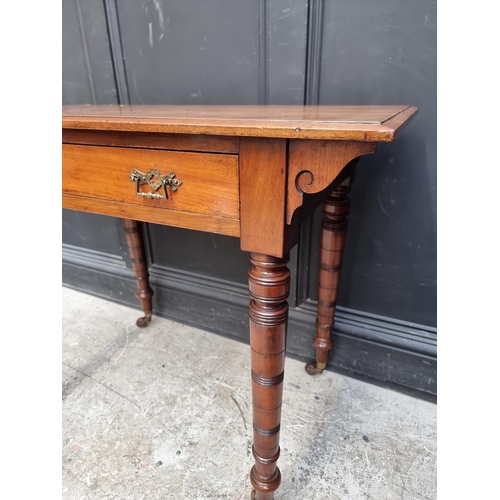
{"points": [[314, 164], [147, 140], [263, 164], [135, 243], [352, 123], [269, 286], [245, 173], [210, 184], [333, 235], [198, 222]]}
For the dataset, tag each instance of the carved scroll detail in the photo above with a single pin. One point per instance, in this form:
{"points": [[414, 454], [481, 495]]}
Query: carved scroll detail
{"points": [[314, 165], [301, 181]]}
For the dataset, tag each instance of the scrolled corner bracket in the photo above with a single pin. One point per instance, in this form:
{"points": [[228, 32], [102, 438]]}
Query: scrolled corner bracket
{"points": [[155, 181], [326, 160], [303, 181]]}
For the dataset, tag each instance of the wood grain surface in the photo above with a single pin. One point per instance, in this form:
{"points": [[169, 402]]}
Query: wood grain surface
{"points": [[358, 123], [210, 184], [188, 220], [263, 195], [151, 140]]}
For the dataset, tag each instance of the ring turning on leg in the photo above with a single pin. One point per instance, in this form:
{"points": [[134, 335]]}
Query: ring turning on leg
{"points": [[138, 255], [269, 286], [333, 234]]}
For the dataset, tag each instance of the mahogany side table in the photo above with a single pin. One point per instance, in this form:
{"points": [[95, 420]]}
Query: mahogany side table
{"points": [[253, 172]]}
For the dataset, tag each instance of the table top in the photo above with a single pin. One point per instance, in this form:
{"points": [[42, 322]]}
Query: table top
{"points": [[324, 122]]}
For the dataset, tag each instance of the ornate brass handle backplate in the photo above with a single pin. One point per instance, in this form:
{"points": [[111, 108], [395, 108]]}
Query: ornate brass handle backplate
{"points": [[155, 180]]}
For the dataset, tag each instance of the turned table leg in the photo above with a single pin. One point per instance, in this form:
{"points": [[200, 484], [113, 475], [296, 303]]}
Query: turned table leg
{"points": [[333, 234], [269, 286], [138, 255]]}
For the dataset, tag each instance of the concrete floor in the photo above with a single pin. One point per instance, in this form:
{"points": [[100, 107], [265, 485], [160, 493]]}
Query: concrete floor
{"points": [[165, 413]]}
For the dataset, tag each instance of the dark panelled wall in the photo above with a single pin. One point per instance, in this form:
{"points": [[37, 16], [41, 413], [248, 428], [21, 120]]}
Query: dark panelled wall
{"points": [[277, 52]]}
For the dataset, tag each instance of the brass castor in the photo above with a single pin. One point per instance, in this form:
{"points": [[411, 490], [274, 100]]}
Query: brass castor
{"points": [[144, 320], [314, 369], [267, 496]]}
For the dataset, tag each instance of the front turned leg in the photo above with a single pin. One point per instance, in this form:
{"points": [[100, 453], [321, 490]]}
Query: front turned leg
{"points": [[269, 286], [138, 255], [333, 234]]}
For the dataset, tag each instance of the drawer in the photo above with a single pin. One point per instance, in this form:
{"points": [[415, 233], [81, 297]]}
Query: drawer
{"points": [[210, 185]]}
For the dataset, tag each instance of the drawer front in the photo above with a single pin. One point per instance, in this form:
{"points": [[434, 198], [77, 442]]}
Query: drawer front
{"points": [[209, 185]]}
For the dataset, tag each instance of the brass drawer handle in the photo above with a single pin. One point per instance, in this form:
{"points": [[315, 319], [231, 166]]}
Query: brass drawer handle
{"points": [[155, 180]]}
